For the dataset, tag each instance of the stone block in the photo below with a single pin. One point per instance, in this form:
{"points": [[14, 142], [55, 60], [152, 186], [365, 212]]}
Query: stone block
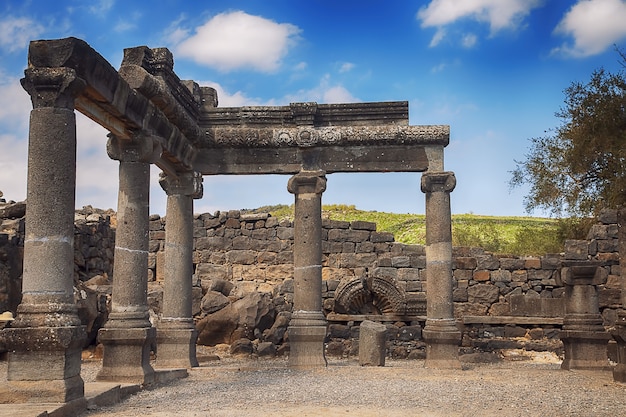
{"points": [[608, 297], [372, 343], [482, 276], [532, 263], [576, 249], [483, 293], [401, 261], [408, 274], [464, 263], [380, 237], [362, 225], [488, 262], [501, 275], [512, 263], [418, 261], [552, 307]]}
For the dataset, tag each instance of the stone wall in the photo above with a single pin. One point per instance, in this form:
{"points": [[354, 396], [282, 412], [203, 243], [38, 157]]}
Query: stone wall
{"points": [[254, 253], [243, 282]]}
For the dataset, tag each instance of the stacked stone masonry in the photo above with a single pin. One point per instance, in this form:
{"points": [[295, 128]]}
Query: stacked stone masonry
{"points": [[239, 254]]}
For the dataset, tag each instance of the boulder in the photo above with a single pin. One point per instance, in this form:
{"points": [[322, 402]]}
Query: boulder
{"points": [[213, 301], [244, 318]]}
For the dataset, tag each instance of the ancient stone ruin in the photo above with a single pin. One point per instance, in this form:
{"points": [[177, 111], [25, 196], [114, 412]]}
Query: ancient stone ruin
{"points": [[155, 118], [309, 282]]}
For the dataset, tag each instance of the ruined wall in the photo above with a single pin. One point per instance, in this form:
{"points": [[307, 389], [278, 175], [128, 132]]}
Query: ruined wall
{"points": [[243, 268], [254, 253]]}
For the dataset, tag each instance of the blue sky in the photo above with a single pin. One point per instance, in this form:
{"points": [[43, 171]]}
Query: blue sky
{"points": [[494, 70]]}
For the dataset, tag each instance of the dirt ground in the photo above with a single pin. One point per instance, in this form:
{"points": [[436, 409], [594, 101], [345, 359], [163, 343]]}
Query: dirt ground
{"points": [[514, 384]]}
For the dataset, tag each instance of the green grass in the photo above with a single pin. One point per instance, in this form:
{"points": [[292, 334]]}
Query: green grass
{"points": [[503, 235]]}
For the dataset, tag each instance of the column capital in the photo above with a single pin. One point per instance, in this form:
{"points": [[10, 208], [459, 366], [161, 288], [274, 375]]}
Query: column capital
{"points": [[444, 181], [52, 87], [141, 148], [186, 183], [313, 182]]}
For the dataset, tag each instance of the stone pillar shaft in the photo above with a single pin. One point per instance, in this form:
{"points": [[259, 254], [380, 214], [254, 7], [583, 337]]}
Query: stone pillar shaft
{"points": [[307, 328], [619, 332], [440, 332], [177, 335], [128, 336], [45, 340]]}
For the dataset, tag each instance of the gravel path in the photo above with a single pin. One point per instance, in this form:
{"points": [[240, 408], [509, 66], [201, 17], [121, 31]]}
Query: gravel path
{"points": [[236, 387]]}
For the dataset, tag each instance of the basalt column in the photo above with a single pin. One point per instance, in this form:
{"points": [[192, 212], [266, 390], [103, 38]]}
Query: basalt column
{"points": [[307, 328], [128, 336], [45, 340], [440, 333], [619, 331], [176, 333]]}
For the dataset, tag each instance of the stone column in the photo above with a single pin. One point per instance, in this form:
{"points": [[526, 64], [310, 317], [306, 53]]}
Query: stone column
{"points": [[46, 338], [128, 336], [619, 331], [307, 328], [441, 333], [584, 338], [176, 332]]}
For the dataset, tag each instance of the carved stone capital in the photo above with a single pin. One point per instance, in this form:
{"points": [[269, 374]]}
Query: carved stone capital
{"points": [[52, 87], [186, 183], [438, 182], [311, 182], [140, 148]]}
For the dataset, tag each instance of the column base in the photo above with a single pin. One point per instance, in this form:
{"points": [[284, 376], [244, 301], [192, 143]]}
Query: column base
{"points": [[585, 350], [126, 356], [43, 364], [442, 339], [619, 335], [307, 332], [176, 348]]}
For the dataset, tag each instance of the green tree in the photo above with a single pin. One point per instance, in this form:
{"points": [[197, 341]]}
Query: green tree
{"points": [[579, 168]]}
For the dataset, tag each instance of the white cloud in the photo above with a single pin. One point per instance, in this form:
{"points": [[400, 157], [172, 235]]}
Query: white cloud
{"points": [[301, 66], [101, 7], [15, 109], [438, 37], [594, 24], [469, 40], [16, 32], [346, 67], [324, 92], [228, 99], [499, 14], [236, 39]]}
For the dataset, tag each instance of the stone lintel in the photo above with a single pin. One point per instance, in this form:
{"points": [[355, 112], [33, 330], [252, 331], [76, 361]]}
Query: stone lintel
{"points": [[109, 100], [251, 161], [157, 91], [159, 62], [280, 136], [345, 114]]}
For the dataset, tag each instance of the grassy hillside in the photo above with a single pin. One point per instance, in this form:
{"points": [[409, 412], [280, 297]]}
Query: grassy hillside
{"points": [[511, 235]]}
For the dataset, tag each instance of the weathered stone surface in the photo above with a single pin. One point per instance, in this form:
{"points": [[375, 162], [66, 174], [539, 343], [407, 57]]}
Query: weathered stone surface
{"points": [[483, 293], [213, 301], [372, 346]]}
